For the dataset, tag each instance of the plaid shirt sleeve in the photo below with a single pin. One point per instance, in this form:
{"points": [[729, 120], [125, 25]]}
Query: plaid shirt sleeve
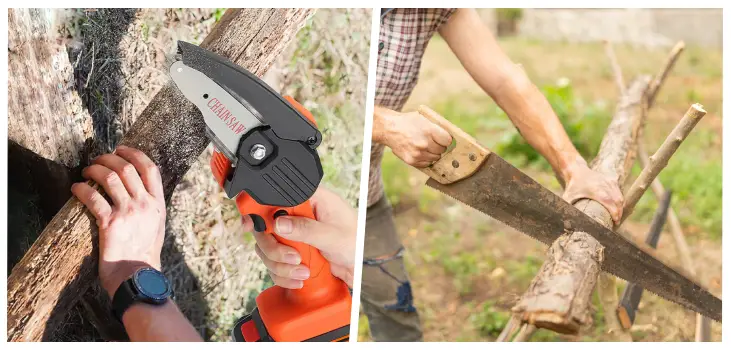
{"points": [[404, 35]]}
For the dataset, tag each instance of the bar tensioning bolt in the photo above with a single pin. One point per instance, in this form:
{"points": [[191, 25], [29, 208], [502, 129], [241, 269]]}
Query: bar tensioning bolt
{"points": [[258, 151]]}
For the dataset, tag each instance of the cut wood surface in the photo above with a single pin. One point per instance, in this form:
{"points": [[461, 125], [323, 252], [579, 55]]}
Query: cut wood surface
{"points": [[60, 265], [559, 297]]}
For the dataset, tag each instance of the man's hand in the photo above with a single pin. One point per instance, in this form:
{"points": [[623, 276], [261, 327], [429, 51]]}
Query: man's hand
{"points": [[132, 227], [333, 233], [582, 182], [411, 137]]}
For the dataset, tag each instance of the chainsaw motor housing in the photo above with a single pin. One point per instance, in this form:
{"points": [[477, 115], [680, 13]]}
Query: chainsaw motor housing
{"points": [[276, 161]]}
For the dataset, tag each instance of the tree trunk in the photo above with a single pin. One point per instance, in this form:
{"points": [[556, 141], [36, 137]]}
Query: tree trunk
{"points": [[61, 264], [559, 297]]}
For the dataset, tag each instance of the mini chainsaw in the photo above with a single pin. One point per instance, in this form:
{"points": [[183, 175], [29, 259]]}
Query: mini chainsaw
{"points": [[266, 159]]}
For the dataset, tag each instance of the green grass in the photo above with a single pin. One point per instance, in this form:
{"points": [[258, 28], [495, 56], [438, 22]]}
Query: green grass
{"points": [[696, 183], [489, 321], [218, 14], [364, 329]]}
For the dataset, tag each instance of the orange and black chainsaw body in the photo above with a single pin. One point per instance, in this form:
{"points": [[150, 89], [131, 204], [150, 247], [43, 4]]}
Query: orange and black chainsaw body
{"points": [[320, 310]]}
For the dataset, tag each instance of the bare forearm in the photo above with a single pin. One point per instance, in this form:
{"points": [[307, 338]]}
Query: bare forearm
{"points": [[508, 85], [381, 124], [166, 323], [536, 121]]}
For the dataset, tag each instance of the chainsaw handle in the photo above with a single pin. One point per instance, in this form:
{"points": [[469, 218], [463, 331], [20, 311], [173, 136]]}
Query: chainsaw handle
{"points": [[456, 163], [321, 281]]}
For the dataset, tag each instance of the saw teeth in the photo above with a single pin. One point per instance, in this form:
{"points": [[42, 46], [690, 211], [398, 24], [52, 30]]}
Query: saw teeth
{"points": [[601, 265]]}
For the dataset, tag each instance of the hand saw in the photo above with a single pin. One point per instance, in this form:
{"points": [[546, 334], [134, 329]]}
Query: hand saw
{"points": [[473, 175], [266, 159]]}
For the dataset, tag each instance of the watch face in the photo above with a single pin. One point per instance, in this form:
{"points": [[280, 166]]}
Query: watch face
{"points": [[152, 284]]}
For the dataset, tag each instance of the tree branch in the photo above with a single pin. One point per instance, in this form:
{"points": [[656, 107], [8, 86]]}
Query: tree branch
{"points": [[618, 79], [525, 332], [509, 330], [659, 160], [659, 79]]}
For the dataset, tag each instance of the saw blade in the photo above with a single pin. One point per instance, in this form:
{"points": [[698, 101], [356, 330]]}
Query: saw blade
{"points": [[227, 119], [505, 193]]}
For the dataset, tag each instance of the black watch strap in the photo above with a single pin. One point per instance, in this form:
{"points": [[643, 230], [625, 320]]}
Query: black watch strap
{"points": [[124, 297]]}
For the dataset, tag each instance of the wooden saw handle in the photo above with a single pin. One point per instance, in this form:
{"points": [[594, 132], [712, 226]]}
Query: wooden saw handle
{"points": [[459, 162]]}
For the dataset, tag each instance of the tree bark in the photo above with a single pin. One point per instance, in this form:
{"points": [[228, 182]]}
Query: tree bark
{"points": [[45, 114], [559, 297], [62, 263]]}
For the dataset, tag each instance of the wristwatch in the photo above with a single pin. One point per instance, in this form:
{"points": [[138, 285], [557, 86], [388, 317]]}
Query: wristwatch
{"points": [[146, 285]]}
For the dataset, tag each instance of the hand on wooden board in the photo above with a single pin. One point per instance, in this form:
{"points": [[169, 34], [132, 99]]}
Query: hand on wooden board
{"points": [[132, 223], [584, 182], [413, 138]]}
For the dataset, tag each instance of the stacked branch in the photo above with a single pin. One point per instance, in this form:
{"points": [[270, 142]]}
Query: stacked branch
{"points": [[62, 263], [559, 297]]}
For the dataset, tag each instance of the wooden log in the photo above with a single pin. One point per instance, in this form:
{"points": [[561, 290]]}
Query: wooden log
{"points": [[62, 262], [659, 160], [559, 297]]}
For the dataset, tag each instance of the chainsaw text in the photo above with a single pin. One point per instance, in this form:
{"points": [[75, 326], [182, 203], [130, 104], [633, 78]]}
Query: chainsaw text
{"points": [[225, 115]]}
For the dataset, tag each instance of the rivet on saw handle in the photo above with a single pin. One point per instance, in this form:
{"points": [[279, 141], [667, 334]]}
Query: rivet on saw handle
{"points": [[461, 161]]}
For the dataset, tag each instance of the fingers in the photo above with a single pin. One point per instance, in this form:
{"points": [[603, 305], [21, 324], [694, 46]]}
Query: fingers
{"points": [[441, 136], [618, 201], [608, 196], [421, 164], [285, 271], [420, 158], [307, 231], [436, 149], [611, 198], [286, 282], [95, 202], [109, 180], [275, 251], [283, 262], [148, 171], [126, 171]]}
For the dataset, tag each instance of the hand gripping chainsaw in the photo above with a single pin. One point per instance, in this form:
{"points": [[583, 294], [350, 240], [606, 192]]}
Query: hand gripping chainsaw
{"points": [[266, 159]]}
